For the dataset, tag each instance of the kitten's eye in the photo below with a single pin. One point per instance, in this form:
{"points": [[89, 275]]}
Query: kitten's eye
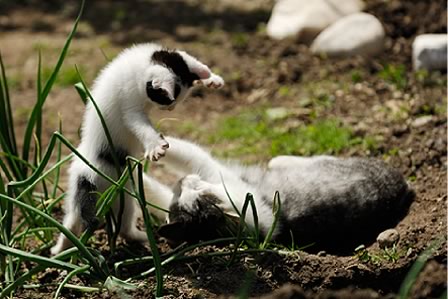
{"points": [[177, 89]]}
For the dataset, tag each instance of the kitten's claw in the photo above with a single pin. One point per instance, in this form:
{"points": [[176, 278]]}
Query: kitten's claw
{"points": [[158, 151], [215, 81]]}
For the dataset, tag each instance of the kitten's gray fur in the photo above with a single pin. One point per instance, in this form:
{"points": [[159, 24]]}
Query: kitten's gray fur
{"points": [[336, 203]]}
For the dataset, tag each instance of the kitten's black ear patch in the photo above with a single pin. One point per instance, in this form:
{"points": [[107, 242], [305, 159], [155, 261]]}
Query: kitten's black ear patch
{"points": [[177, 64], [157, 95], [174, 232]]}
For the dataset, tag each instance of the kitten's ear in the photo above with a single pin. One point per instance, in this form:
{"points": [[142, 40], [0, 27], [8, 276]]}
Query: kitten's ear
{"points": [[174, 232], [195, 66], [165, 86], [158, 94]]}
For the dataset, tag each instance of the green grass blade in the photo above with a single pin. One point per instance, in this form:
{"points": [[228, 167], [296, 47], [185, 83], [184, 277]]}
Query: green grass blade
{"points": [[276, 210], [229, 197], [68, 277], [56, 135], [44, 261], [58, 158], [20, 281], [81, 247], [241, 226], [25, 233], [28, 275], [38, 133], [82, 92], [7, 120], [416, 268], [5, 170], [248, 281], [255, 216], [37, 110], [9, 155], [149, 232]]}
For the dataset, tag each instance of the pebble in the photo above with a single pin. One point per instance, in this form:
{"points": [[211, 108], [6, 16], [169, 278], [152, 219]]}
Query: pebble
{"points": [[422, 121], [322, 253], [277, 113], [429, 52], [356, 34], [388, 238]]}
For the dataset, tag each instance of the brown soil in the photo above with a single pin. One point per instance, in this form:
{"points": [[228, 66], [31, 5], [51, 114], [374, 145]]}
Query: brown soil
{"points": [[227, 35]]}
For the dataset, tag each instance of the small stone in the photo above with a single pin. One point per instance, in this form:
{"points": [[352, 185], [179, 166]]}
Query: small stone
{"points": [[277, 113], [356, 34], [388, 238], [422, 121], [322, 253], [257, 95], [429, 52]]}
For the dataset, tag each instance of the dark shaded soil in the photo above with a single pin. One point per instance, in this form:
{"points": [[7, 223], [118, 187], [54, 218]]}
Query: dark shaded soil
{"points": [[229, 37]]}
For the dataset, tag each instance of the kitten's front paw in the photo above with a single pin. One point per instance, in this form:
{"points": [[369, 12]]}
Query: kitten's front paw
{"points": [[157, 151], [214, 81]]}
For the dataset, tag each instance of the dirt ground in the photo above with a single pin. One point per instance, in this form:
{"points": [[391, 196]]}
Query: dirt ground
{"points": [[407, 121]]}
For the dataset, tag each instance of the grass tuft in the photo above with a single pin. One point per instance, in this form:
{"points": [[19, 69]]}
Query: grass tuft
{"points": [[257, 133]]}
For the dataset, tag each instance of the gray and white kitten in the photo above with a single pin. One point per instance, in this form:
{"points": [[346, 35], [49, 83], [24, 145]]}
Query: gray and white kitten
{"points": [[336, 203], [140, 78]]}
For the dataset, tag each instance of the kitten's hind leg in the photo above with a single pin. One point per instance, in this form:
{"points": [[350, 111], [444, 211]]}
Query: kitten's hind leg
{"points": [[79, 205], [72, 221], [128, 229]]}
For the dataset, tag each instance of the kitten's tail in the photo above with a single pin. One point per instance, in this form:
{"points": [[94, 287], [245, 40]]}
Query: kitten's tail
{"points": [[86, 198]]}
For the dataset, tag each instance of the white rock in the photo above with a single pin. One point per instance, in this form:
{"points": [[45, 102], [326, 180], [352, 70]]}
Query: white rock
{"points": [[277, 113], [356, 34], [422, 121], [304, 19], [429, 52], [388, 238]]}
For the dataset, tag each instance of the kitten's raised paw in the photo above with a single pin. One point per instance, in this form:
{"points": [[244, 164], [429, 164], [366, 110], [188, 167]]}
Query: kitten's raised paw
{"points": [[158, 151], [215, 81]]}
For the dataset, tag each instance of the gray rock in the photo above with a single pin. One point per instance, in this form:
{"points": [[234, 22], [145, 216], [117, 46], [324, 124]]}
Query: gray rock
{"points": [[304, 19], [422, 121], [277, 113], [429, 52], [388, 238], [356, 34]]}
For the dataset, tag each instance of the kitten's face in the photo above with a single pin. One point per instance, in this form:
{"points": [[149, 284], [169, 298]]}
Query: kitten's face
{"points": [[169, 80], [194, 219]]}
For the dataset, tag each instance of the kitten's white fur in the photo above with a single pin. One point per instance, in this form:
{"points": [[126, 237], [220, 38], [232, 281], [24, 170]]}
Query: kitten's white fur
{"points": [[321, 195], [120, 93]]}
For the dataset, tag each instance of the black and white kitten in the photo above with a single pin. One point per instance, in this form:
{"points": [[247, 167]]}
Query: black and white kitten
{"points": [[332, 202], [141, 77]]}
